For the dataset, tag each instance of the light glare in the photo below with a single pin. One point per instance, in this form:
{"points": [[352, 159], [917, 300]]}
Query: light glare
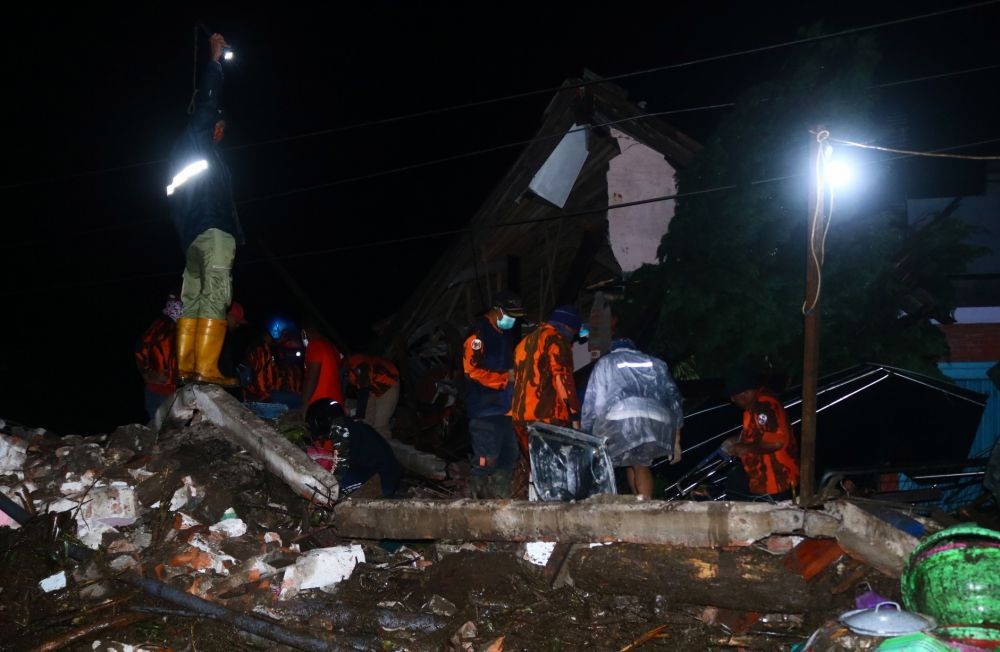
{"points": [[838, 173], [189, 171]]}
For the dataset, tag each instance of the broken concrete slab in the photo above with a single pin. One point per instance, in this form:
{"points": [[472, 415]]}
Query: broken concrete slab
{"points": [[418, 462], [241, 426], [320, 569], [618, 518], [870, 539], [13, 452]]}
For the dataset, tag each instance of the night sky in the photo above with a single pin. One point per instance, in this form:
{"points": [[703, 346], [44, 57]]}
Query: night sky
{"points": [[94, 100]]}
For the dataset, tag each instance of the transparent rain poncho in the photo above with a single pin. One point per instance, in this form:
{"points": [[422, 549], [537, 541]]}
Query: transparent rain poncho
{"points": [[633, 401]]}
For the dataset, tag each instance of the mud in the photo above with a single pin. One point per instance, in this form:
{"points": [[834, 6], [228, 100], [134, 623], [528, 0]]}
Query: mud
{"points": [[405, 596]]}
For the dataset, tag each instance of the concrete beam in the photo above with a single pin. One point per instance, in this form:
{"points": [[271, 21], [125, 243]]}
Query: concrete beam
{"points": [[624, 519], [279, 456], [605, 519], [870, 539]]}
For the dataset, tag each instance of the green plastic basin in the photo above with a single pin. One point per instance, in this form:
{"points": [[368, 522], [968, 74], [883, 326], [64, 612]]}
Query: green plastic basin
{"points": [[954, 576]]}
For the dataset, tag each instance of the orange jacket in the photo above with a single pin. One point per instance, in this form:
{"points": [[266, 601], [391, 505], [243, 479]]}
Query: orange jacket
{"points": [[264, 370], [544, 389], [290, 378], [382, 374], [766, 421], [155, 354]]}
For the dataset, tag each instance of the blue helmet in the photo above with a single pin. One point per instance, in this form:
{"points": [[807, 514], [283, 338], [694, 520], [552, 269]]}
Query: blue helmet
{"points": [[279, 325]]}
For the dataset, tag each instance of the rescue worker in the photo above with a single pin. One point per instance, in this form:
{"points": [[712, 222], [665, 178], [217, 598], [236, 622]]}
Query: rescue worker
{"points": [[488, 365], [766, 445], [290, 358], [202, 209], [633, 401], [263, 370], [322, 372], [155, 359], [350, 448], [544, 389], [376, 382]]}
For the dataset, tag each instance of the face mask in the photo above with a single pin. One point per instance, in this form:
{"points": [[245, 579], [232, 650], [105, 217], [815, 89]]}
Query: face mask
{"points": [[505, 323]]}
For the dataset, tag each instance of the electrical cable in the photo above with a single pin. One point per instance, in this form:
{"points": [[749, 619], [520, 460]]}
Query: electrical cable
{"points": [[552, 89], [908, 152], [456, 231], [818, 214], [646, 71], [380, 173]]}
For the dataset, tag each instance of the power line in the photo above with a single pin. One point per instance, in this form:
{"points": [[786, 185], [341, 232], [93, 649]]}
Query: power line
{"points": [[553, 89], [454, 157], [452, 232], [382, 173], [487, 150], [636, 73], [908, 152], [954, 73]]}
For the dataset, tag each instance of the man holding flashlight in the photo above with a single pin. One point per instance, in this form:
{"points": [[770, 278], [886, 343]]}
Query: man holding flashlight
{"points": [[202, 209]]}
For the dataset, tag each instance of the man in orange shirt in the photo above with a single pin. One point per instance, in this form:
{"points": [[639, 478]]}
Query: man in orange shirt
{"points": [[322, 375], [766, 446]]}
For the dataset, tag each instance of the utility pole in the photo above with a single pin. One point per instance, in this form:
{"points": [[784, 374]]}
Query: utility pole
{"points": [[810, 354]]}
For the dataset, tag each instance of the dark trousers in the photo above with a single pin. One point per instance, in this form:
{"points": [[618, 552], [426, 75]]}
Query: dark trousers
{"points": [[153, 402], [494, 445]]}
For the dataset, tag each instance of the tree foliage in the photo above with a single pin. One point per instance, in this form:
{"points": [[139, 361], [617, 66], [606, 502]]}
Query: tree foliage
{"points": [[732, 272]]}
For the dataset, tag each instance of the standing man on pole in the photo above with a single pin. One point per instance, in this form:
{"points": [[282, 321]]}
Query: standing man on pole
{"points": [[202, 209]]}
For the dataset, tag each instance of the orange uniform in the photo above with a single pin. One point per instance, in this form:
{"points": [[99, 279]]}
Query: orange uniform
{"points": [[382, 374], [766, 421], [544, 389], [155, 355], [265, 373]]}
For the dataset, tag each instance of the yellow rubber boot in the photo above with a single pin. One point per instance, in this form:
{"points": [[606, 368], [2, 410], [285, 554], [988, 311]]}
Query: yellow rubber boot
{"points": [[210, 336], [186, 344]]}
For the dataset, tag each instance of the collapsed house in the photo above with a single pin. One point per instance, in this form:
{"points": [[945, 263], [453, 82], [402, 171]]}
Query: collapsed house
{"points": [[546, 231]]}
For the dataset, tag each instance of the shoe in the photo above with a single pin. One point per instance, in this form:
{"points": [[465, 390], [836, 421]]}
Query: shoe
{"points": [[500, 483], [209, 339]]}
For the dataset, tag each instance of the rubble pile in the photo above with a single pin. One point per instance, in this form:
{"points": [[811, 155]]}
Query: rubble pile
{"points": [[183, 540]]}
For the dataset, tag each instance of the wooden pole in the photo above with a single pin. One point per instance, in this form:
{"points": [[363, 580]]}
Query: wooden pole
{"points": [[810, 354]]}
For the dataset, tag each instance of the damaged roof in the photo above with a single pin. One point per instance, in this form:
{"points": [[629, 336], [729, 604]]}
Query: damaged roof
{"points": [[519, 240]]}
